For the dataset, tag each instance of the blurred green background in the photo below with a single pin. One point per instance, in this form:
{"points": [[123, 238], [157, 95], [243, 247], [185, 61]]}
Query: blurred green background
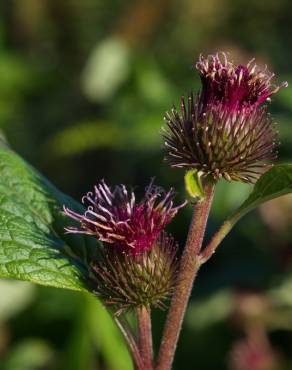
{"points": [[83, 88]]}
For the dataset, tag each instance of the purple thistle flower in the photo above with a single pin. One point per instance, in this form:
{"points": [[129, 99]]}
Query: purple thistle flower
{"points": [[114, 217], [233, 85]]}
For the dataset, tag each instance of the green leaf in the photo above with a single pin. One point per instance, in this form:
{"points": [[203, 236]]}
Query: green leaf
{"points": [[33, 245], [273, 184]]}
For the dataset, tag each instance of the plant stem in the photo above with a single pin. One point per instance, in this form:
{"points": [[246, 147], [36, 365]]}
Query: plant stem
{"points": [[215, 241], [145, 336], [131, 343], [219, 236], [189, 267]]}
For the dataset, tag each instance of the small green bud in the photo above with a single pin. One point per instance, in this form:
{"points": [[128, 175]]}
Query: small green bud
{"points": [[193, 185]]}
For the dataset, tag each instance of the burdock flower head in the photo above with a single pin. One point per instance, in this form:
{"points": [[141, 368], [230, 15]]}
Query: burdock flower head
{"points": [[136, 264], [234, 85], [225, 131], [114, 217]]}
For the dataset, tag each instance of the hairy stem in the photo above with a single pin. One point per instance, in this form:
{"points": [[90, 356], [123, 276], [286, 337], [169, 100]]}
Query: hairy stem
{"points": [[219, 236], [131, 343], [215, 241], [189, 266], [145, 336]]}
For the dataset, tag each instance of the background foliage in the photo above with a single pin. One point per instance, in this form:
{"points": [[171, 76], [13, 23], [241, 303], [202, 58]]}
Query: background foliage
{"points": [[83, 87]]}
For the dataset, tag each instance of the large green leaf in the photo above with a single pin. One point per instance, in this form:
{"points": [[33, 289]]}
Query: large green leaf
{"points": [[274, 183], [33, 245]]}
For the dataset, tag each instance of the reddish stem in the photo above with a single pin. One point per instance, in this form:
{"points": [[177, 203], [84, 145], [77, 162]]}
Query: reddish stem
{"points": [[189, 266], [145, 336], [221, 233], [216, 240]]}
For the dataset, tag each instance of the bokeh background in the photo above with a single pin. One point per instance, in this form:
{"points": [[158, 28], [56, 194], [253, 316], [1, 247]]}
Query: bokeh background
{"points": [[83, 88]]}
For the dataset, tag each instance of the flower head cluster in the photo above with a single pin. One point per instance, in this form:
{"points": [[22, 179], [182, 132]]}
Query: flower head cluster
{"points": [[226, 130], [136, 265]]}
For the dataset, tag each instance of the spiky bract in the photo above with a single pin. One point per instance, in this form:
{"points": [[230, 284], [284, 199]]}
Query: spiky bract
{"points": [[124, 282], [216, 142]]}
